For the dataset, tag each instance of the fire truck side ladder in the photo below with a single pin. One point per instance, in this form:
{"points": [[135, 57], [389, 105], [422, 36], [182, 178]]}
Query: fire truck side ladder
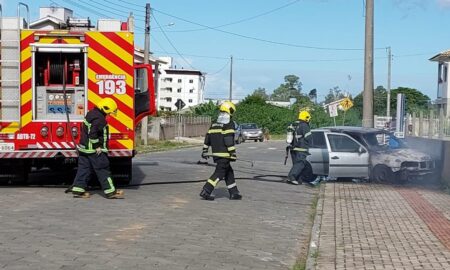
{"points": [[10, 66]]}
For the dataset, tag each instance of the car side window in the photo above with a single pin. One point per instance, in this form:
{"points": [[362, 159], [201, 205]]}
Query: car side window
{"points": [[340, 143], [318, 140]]}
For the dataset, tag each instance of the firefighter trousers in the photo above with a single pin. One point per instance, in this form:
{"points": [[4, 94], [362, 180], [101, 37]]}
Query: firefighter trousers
{"points": [[223, 172], [298, 165], [93, 163]]}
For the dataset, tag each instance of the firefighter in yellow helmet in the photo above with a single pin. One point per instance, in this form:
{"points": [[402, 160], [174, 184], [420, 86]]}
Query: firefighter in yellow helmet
{"points": [[299, 147], [93, 152], [220, 138]]}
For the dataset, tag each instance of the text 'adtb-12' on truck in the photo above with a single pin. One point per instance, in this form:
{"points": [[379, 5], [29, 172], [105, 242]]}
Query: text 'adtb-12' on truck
{"points": [[51, 78]]}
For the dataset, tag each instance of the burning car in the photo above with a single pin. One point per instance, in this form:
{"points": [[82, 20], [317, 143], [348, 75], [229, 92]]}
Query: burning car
{"points": [[357, 152]]}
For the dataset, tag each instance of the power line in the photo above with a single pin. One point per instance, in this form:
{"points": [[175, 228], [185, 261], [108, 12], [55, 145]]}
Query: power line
{"points": [[220, 70], [127, 7], [109, 10], [171, 44], [243, 20], [260, 39]]}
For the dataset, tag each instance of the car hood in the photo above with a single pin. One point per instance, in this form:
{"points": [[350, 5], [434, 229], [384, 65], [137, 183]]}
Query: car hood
{"points": [[404, 154], [251, 130]]}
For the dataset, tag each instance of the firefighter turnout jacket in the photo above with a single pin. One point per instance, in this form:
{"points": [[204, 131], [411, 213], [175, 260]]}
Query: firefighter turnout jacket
{"points": [[301, 140], [94, 132], [220, 137]]}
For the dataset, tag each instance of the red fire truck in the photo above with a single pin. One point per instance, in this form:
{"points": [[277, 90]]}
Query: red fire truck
{"points": [[51, 78]]}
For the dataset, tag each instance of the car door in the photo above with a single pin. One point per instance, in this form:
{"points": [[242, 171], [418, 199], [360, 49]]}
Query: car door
{"points": [[144, 92], [318, 150], [347, 157]]}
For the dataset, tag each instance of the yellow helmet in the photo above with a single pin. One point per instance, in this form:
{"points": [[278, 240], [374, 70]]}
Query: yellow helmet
{"points": [[304, 116], [228, 107], [107, 105]]}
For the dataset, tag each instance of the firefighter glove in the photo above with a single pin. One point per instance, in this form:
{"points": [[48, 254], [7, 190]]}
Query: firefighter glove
{"points": [[205, 154], [233, 156]]}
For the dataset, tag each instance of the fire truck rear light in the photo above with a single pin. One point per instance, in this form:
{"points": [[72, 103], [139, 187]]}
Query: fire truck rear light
{"points": [[74, 131], [118, 136], [60, 131], [44, 131]]}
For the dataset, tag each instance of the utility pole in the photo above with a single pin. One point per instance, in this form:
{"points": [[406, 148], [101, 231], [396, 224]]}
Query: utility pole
{"points": [[144, 122], [367, 120], [231, 78], [388, 109]]}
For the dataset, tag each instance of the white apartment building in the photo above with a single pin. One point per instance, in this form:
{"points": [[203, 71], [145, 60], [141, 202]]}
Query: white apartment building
{"points": [[184, 84], [443, 82]]}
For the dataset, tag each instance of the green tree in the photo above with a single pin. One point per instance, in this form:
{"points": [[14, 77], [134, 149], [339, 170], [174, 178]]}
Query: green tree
{"points": [[291, 88], [313, 95], [334, 94], [207, 109], [261, 92], [415, 100], [379, 101]]}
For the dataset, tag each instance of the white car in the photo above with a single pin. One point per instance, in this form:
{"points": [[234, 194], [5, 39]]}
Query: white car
{"points": [[356, 152]]}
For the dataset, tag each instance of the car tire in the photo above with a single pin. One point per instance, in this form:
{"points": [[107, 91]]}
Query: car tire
{"points": [[239, 140], [261, 140], [242, 140], [382, 174]]}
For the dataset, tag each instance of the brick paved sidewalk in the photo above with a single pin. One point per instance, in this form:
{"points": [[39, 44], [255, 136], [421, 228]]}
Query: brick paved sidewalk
{"points": [[367, 226]]}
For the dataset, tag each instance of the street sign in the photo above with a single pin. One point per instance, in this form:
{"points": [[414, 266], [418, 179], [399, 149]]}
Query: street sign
{"points": [[346, 104], [333, 110], [179, 104]]}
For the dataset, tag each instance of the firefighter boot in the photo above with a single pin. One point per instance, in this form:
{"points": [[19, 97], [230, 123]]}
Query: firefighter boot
{"points": [[118, 194], [235, 196], [206, 196], [82, 195]]}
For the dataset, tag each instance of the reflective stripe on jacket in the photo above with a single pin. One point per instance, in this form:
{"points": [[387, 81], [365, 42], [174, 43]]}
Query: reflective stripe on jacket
{"points": [[302, 138], [94, 132], [221, 139]]}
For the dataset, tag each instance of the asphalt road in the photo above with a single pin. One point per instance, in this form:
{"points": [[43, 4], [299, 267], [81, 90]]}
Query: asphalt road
{"points": [[162, 223]]}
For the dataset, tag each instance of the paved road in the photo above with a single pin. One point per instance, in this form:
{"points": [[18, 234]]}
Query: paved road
{"points": [[162, 223]]}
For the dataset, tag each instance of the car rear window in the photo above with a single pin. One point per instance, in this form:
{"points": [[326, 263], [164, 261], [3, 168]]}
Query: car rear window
{"points": [[249, 126]]}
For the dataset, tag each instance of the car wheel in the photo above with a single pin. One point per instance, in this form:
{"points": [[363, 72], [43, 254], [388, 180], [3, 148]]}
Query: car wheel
{"points": [[261, 140], [382, 174], [239, 140], [242, 140]]}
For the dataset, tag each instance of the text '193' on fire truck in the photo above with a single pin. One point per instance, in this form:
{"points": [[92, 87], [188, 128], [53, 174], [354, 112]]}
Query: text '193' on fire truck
{"points": [[51, 78]]}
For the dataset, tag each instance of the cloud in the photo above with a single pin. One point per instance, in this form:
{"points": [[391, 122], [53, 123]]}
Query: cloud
{"points": [[444, 3]]}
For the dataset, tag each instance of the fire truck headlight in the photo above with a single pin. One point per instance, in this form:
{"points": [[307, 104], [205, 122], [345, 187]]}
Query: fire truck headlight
{"points": [[74, 131], [60, 131], [44, 131]]}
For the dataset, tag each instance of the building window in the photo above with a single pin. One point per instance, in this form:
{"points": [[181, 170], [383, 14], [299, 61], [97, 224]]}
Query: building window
{"points": [[191, 81], [445, 73], [191, 91], [168, 99], [168, 79], [169, 89], [179, 90], [190, 100], [179, 80]]}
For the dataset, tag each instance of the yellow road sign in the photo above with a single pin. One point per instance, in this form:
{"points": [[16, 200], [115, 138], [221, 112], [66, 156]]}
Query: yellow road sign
{"points": [[346, 104]]}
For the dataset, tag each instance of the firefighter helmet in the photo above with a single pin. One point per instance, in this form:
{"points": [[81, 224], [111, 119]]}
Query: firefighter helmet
{"points": [[107, 105], [228, 107], [304, 116]]}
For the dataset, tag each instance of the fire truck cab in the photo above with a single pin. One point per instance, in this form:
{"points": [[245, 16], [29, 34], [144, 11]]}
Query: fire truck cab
{"points": [[51, 78]]}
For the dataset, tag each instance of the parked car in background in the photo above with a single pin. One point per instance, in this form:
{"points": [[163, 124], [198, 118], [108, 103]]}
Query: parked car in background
{"points": [[356, 152], [250, 131]]}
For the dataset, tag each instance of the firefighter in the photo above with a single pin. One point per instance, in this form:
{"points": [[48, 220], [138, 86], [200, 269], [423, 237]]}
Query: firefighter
{"points": [[299, 148], [93, 152], [220, 138]]}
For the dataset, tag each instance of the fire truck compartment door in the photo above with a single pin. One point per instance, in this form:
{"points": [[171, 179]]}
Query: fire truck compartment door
{"points": [[143, 95]]}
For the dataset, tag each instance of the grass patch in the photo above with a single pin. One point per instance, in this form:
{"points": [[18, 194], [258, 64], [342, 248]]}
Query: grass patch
{"points": [[277, 137], [299, 265], [158, 146], [312, 213]]}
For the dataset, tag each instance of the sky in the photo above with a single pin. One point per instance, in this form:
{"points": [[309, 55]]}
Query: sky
{"points": [[320, 41]]}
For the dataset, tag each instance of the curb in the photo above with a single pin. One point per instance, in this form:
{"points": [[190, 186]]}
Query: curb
{"points": [[315, 231]]}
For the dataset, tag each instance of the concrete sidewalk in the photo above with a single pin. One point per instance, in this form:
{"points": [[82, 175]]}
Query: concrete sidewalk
{"points": [[368, 226]]}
